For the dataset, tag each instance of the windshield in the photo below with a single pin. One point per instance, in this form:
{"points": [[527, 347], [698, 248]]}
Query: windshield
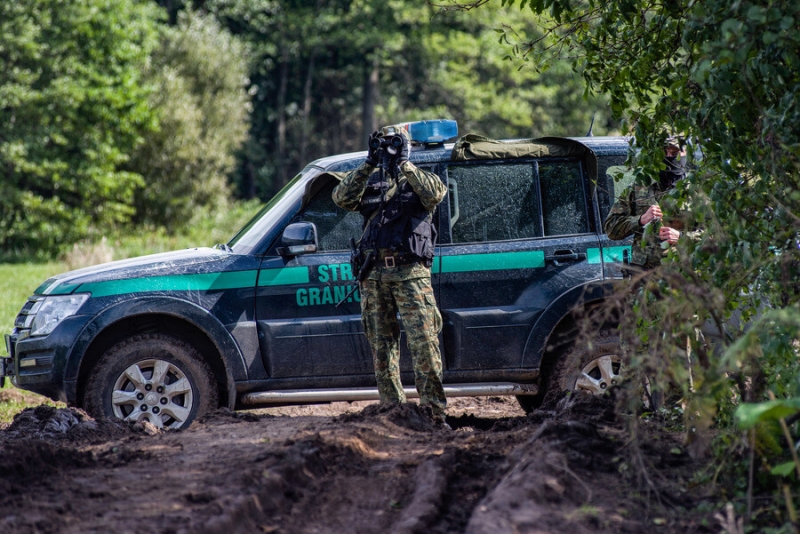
{"points": [[252, 234]]}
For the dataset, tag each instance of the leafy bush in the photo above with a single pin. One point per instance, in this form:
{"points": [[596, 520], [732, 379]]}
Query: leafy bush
{"points": [[200, 72], [73, 105], [724, 76]]}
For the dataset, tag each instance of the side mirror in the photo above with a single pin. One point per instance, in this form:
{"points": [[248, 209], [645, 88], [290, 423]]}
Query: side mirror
{"points": [[298, 238]]}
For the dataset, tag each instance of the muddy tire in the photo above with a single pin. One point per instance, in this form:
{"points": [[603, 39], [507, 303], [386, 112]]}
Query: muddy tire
{"points": [[153, 377], [590, 369], [529, 402]]}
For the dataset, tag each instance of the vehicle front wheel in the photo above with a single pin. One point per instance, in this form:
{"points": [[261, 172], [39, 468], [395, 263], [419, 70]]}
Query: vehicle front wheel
{"points": [[153, 377]]}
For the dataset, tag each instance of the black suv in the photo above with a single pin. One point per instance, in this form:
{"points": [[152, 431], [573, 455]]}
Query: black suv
{"points": [[255, 322]]}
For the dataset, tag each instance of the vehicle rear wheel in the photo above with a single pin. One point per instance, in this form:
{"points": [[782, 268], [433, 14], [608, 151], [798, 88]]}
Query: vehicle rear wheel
{"points": [[591, 369], [597, 369], [152, 377]]}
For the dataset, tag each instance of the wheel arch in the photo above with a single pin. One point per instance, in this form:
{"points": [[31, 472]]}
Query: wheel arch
{"points": [[554, 325], [180, 319]]}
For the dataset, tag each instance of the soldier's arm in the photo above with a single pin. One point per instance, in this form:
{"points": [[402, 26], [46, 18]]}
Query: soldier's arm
{"points": [[622, 221], [347, 195], [428, 187]]}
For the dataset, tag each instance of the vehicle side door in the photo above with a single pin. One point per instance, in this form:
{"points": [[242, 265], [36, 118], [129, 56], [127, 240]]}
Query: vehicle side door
{"points": [[302, 331], [516, 237], [308, 306]]}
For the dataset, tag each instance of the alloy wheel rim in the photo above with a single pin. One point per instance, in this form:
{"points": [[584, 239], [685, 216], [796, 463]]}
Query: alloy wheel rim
{"points": [[153, 390], [599, 375]]}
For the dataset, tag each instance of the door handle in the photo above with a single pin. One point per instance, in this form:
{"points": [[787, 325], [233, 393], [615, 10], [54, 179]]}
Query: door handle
{"points": [[560, 257]]}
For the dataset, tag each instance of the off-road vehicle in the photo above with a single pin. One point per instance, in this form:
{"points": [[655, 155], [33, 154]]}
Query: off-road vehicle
{"points": [[255, 322]]}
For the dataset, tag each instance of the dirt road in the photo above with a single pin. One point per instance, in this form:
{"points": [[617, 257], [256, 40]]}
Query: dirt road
{"points": [[347, 468]]}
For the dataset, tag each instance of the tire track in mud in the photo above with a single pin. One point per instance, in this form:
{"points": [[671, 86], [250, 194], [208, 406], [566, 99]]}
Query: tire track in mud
{"points": [[377, 475], [374, 470]]}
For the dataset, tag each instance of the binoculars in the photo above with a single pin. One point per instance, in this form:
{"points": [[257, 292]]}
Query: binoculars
{"points": [[390, 143]]}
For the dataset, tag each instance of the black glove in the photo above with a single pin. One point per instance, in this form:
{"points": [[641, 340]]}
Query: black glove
{"points": [[402, 156], [373, 146]]}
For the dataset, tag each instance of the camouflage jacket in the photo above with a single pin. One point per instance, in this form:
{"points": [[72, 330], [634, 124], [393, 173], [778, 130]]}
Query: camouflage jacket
{"points": [[623, 221], [427, 186]]}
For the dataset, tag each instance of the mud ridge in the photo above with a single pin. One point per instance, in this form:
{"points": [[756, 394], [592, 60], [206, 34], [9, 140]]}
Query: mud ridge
{"points": [[408, 415], [431, 482], [355, 468], [69, 424], [287, 478]]}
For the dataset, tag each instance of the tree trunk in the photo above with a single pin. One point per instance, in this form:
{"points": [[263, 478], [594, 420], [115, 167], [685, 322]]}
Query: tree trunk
{"points": [[306, 110], [280, 141], [248, 181], [371, 80]]}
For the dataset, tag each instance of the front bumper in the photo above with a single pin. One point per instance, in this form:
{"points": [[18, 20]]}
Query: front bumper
{"points": [[38, 364]]}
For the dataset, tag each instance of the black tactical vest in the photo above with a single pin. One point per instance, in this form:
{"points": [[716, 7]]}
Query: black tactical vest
{"points": [[400, 223]]}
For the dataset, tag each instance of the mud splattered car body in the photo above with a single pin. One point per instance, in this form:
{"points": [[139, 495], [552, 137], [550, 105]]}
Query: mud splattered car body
{"points": [[256, 322]]}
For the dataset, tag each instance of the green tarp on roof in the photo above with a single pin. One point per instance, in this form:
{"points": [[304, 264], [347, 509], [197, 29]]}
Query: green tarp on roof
{"points": [[477, 147]]}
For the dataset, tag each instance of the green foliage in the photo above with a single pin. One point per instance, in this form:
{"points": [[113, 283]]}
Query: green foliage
{"points": [[751, 414], [471, 78], [72, 107], [199, 72], [314, 62], [724, 76]]}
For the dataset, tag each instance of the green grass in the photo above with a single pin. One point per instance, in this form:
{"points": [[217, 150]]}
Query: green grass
{"points": [[19, 280]]}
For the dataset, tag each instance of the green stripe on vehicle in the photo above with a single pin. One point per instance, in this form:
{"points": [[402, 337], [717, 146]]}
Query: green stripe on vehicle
{"points": [[610, 254], [500, 261], [284, 276], [58, 288], [188, 282], [53, 286]]}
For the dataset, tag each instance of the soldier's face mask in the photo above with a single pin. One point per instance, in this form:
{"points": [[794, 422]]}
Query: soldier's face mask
{"points": [[675, 171]]}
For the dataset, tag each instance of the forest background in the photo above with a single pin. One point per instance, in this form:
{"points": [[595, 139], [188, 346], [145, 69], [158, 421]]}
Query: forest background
{"points": [[133, 125], [138, 114]]}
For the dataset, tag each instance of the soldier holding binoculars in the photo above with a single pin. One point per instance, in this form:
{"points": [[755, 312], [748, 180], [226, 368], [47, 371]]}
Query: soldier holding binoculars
{"points": [[397, 201]]}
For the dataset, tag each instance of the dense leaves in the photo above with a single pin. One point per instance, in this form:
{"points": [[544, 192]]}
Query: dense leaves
{"points": [[326, 73], [199, 72], [120, 112], [108, 116], [724, 76], [72, 108]]}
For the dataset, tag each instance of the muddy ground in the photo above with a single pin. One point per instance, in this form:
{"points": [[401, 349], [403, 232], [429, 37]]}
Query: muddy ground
{"points": [[350, 468]]}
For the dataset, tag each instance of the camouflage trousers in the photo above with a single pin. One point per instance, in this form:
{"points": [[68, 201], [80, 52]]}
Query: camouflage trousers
{"points": [[413, 300]]}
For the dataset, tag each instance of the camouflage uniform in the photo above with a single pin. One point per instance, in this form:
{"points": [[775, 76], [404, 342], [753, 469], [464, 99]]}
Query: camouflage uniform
{"points": [[623, 221], [403, 289]]}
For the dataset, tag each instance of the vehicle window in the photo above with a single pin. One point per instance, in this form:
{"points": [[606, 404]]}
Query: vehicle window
{"points": [[335, 226], [493, 202], [563, 202]]}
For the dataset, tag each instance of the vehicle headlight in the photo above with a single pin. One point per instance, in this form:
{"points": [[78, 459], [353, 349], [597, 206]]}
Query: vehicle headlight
{"points": [[50, 311]]}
